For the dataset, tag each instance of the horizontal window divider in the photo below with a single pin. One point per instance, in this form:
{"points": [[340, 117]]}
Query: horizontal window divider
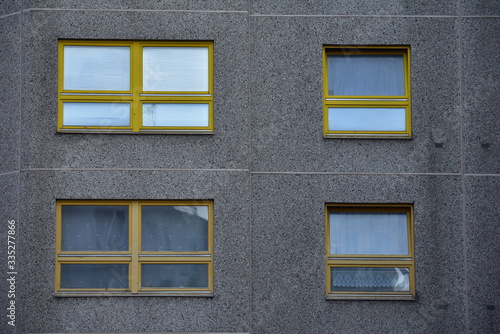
{"points": [[177, 99], [388, 258], [175, 95], [95, 94], [94, 259], [367, 100], [167, 260], [93, 254], [174, 255]]}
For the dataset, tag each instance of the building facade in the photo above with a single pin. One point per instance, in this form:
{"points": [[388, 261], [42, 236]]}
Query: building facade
{"points": [[267, 160]]}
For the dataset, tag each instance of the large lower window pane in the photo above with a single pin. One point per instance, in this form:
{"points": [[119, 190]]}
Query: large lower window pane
{"points": [[372, 233], [366, 75], [175, 275], [366, 119], [175, 114], [94, 228], [174, 228], [370, 279], [94, 276], [175, 69], [96, 67], [96, 114]]}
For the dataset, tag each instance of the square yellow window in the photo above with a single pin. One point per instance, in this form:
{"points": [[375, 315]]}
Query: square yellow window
{"points": [[135, 87], [369, 252], [134, 247], [366, 91]]}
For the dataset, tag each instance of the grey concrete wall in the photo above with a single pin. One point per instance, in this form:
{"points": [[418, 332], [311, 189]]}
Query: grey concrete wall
{"points": [[267, 166]]}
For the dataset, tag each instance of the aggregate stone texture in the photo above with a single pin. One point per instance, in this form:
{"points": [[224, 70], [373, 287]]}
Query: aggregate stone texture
{"points": [[356, 7], [227, 311], [9, 7], [10, 92], [214, 5], [227, 148], [481, 94], [287, 95], [483, 251], [480, 7], [289, 286]]}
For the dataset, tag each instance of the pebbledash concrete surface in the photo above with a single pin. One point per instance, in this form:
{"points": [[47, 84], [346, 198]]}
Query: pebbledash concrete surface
{"points": [[267, 166]]}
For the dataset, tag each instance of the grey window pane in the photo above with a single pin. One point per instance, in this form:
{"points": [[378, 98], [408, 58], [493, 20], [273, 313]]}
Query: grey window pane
{"points": [[175, 114], [94, 228], [367, 119], [366, 75], [174, 228], [96, 114], [172, 69], [94, 276], [370, 279], [96, 67], [174, 275], [368, 233]]}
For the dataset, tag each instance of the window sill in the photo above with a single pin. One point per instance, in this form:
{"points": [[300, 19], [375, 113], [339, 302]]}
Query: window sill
{"points": [[368, 136], [140, 294], [143, 132], [371, 297]]}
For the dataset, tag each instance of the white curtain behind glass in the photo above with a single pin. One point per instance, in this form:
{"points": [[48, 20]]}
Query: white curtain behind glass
{"points": [[366, 75], [368, 233]]}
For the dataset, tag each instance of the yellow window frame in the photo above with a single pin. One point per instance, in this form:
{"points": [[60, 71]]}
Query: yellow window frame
{"points": [[367, 260], [134, 257], [136, 96], [344, 101]]}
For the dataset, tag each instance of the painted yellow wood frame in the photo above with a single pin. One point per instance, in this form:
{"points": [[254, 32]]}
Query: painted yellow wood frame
{"points": [[134, 257], [354, 101], [136, 96], [405, 261]]}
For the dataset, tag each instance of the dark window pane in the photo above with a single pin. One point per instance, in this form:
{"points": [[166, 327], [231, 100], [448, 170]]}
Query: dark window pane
{"points": [[94, 276], [94, 228], [175, 275], [174, 228]]}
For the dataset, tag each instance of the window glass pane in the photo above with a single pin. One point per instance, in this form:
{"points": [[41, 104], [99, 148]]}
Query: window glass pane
{"points": [[175, 114], [368, 233], [366, 75], [174, 228], [174, 276], [94, 276], [96, 114], [96, 67], [175, 69], [94, 228], [367, 119], [370, 279]]}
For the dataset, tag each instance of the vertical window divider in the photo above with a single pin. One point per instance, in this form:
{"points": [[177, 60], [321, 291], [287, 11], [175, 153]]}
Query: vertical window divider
{"points": [[134, 247], [136, 85]]}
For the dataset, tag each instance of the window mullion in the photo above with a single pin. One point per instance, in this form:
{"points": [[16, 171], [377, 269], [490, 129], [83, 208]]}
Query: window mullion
{"points": [[136, 85], [134, 247]]}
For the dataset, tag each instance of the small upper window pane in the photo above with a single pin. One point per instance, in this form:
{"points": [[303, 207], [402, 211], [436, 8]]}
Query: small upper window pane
{"points": [[366, 75], [96, 68], [175, 69], [368, 233]]}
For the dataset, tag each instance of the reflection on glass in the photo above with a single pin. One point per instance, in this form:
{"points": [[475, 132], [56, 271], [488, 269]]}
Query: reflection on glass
{"points": [[175, 69], [367, 119], [174, 275], [366, 75], [373, 233], [175, 114], [96, 67], [94, 228], [94, 276], [96, 114], [370, 279], [174, 228]]}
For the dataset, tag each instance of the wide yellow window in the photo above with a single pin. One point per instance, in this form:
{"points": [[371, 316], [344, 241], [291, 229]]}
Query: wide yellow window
{"points": [[366, 91], [369, 251], [135, 87], [134, 247]]}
